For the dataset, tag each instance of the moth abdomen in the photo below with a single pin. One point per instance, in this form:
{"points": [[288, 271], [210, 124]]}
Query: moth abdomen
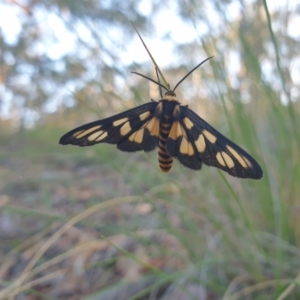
{"points": [[164, 159]]}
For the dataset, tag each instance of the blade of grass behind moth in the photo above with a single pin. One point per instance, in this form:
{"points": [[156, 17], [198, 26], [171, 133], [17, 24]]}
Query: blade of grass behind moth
{"points": [[152, 58], [160, 89]]}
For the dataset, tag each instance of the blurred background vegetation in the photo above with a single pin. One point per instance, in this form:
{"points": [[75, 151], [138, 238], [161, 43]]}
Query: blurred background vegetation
{"points": [[97, 223]]}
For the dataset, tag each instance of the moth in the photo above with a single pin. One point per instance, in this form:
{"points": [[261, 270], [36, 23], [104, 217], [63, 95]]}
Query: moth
{"points": [[174, 129]]}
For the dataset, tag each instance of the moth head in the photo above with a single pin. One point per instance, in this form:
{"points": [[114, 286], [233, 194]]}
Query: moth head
{"points": [[170, 96]]}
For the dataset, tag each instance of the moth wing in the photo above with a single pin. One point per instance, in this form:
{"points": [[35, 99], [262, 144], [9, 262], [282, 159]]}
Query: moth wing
{"points": [[132, 130], [192, 141]]}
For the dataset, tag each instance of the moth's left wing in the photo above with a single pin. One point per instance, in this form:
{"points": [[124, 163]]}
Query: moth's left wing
{"points": [[133, 130], [193, 141]]}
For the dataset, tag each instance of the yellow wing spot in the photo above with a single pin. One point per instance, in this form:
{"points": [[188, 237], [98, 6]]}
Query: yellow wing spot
{"points": [[103, 136], [191, 149], [173, 132], [176, 111], [120, 121], [220, 159], [137, 136], [86, 132], [177, 131], [181, 131], [228, 160], [188, 123], [150, 124], [95, 135], [153, 126], [247, 162], [144, 115], [77, 133], [126, 128], [200, 143], [184, 146], [239, 158], [209, 136]]}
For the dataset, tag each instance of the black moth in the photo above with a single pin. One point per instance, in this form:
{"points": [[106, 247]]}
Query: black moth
{"points": [[176, 130]]}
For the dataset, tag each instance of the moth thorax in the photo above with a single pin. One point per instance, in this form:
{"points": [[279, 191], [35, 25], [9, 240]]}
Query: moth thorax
{"points": [[170, 96]]}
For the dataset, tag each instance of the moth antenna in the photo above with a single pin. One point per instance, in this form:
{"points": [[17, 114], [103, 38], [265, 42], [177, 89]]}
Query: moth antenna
{"points": [[191, 72], [158, 83]]}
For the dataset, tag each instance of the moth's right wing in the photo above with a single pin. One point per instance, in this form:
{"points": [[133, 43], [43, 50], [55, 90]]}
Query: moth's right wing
{"points": [[133, 130]]}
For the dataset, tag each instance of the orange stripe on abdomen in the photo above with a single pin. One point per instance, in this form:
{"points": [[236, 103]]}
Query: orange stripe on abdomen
{"points": [[164, 159]]}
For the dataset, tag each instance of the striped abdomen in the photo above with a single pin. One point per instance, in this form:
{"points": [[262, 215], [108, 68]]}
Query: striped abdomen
{"points": [[165, 160]]}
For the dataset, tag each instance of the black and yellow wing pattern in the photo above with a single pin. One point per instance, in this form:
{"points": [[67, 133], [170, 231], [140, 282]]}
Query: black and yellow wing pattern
{"points": [[193, 141], [175, 130], [132, 130]]}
